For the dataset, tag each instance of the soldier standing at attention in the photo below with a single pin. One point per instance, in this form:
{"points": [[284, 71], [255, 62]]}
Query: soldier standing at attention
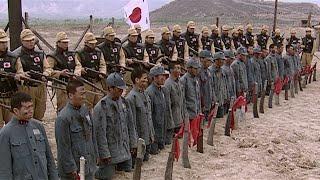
{"points": [[242, 37], [280, 61], [218, 78], [112, 51], [240, 73], [206, 42], [191, 88], [308, 46], [206, 84], [91, 58], [192, 39], [263, 38], [62, 61], [152, 49], [167, 47], [158, 107], [217, 42], [116, 133], [75, 135], [140, 104], [174, 90], [277, 38], [236, 39], [293, 39], [11, 64], [181, 44], [256, 70], [249, 36], [272, 65], [34, 60], [25, 152], [229, 74], [226, 39]]}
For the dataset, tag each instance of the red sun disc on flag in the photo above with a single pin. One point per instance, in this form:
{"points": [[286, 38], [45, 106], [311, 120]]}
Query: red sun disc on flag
{"points": [[135, 16]]}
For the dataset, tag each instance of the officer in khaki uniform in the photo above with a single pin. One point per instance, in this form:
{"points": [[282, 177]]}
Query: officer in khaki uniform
{"points": [[263, 39], [112, 51], [181, 44], [206, 43], [192, 38], [242, 37], [293, 39], [151, 48], [167, 47], [218, 44], [62, 61], [277, 38], [235, 38], [91, 57], [34, 60], [308, 46], [249, 36], [11, 64]]}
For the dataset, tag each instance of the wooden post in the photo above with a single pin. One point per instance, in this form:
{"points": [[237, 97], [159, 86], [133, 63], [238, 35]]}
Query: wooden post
{"points": [[140, 154], [91, 23], [26, 17], [309, 20], [275, 15], [112, 20], [186, 135], [15, 23], [217, 22]]}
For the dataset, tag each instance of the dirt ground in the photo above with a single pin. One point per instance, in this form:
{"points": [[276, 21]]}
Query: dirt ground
{"points": [[284, 143]]}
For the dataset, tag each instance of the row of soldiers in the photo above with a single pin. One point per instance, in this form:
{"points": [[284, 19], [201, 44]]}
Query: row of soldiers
{"points": [[106, 129]]}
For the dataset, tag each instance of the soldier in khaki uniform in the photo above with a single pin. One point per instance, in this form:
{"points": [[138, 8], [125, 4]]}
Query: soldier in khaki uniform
{"points": [[151, 48], [92, 58], [137, 27], [34, 60], [181, 43], [308, 46], [167, 47], [62, 61], [216, 38], [206, 42], [192, 38], [263, 39], [226, 39], [242, 37], [277, 38], [11, 64], [112, 51]]}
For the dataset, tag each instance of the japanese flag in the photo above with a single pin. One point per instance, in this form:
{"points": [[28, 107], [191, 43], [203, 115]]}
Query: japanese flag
{"points": [[137, 12]]}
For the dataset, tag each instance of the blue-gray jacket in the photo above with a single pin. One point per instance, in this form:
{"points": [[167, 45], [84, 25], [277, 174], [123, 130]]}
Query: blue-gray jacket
{"points": [[230, 81], [115, 129], [191, 92], [240, 75], [25, 152], [140, 104], [75, 137], [207, 90]]}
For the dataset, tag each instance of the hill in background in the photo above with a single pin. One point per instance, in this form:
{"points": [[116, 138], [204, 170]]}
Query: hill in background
{"points": [[230, 11]]}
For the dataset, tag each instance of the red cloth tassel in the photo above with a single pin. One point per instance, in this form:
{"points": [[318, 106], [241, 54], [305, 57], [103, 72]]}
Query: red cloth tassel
{"points": [[176, 148], [278, 86], [212, 114], [240, 101], [195, 128]]}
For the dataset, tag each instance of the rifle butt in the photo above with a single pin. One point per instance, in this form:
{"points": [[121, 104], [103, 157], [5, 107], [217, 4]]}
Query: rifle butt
{"points": [[314, 77], [200, 142], [211, 132], [185, 146], [276, 100], [137, 169], [228, 121], [169, 168]]}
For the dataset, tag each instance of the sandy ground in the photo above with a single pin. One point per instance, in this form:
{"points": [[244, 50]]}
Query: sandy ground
{"points": [[284, 143]]}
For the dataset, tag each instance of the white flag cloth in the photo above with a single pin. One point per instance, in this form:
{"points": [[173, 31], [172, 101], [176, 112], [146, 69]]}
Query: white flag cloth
{"points": [[137, 12]]}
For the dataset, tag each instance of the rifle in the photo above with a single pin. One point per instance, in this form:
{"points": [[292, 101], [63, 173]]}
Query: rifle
{"points": [[139, 159], [5, 107], [255, 101], [228, 121], [117, 68], [286, 89], [271, 94], [263, 95], [86, 82], [95, 72], [48, 77], [169, 167], [186, 136], [12, 75], [213, 124], [315, 73], [312, 71], [142, 62]]}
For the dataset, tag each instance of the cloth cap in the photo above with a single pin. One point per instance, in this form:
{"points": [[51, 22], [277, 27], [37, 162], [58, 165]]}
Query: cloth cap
{"points": [[219, 55], [193, 63], [242, 50], [177, 28], [62, 37], [3, 36], [132, 32], [156, 70], [191, 24], [27, 35], [116, 80], [90, 38], [229, 54], [109, 31]]}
